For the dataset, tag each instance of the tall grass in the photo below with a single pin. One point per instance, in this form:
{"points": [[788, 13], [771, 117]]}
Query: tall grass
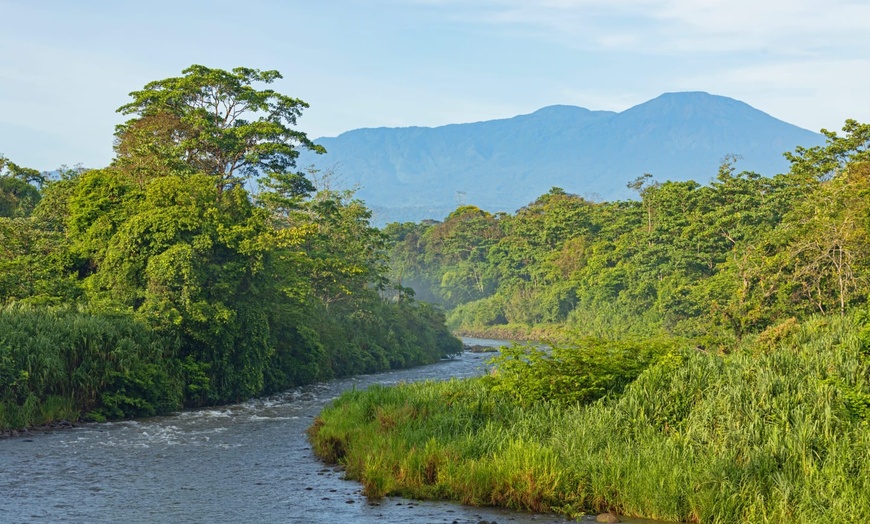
{"points": [[776, 432], [62, 363]]}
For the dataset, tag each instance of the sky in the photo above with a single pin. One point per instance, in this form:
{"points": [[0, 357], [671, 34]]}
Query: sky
{"points": [[65, 67]]}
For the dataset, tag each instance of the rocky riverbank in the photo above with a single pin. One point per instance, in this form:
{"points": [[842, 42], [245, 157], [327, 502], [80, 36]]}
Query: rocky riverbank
{"points": [[476, 348]]}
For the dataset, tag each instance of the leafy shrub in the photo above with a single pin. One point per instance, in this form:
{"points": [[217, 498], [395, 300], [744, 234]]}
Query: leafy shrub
{"points": [[570, 374]]}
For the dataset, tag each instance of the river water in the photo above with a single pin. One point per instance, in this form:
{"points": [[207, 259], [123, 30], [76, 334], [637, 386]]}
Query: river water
{"points": [[248, 462]]}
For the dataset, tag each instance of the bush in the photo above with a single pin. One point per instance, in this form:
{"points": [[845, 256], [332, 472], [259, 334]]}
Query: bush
{"points": [[570, 374]]}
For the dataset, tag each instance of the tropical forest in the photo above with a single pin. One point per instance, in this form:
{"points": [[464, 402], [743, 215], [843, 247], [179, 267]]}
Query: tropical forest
{"points": [[199, 268], [699, 353]]}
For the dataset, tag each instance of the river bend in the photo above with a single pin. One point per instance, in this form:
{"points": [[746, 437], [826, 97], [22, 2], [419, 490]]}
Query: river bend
{"points": [[248, 462]]}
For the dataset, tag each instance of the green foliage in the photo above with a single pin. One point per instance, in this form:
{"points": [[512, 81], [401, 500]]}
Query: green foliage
{"points": [[19, 191], [17, 197], [824, 162], [34, 263], [479, 314], [453, 268], [57, 363], [216, 122], [764, 420], [190, 290], [569, 374], [715, 263], [757, 436]]}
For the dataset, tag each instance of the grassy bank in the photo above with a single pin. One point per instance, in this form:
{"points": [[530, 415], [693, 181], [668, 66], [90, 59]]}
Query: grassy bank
{"points": [[775, 432]]}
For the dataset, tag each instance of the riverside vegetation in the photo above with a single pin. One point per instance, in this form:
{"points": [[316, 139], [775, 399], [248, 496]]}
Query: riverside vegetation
{"points": [[710, 355], [164, 281]]}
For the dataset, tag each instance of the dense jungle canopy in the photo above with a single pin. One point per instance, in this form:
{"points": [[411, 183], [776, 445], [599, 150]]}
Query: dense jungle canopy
{"points": [[200, 267]]}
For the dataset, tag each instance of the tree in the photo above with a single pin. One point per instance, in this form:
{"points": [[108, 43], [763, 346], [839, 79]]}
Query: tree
{"points": [[646, 187], [18, 195], [346, 254], [33, 263], [25, 174], [829, 242], [824, 162], [213, 122]]}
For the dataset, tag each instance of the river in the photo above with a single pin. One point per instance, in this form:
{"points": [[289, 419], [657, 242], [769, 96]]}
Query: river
{"points": [[248, 462]]}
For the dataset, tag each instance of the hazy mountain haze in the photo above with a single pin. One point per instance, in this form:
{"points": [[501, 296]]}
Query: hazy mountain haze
{"points": [[412, 173]]}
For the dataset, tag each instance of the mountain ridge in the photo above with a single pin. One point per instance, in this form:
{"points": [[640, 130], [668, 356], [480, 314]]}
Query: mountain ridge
{"points": [[416, 172]]}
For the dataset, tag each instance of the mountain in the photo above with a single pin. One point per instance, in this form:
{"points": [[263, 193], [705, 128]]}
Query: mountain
{"points": [[414, 173]]}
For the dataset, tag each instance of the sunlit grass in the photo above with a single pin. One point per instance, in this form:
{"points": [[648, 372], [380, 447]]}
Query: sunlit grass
{"points": [[769, 434]]}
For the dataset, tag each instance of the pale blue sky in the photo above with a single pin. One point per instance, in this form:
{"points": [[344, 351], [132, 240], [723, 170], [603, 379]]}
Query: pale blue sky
{"points": [[65, 66]]}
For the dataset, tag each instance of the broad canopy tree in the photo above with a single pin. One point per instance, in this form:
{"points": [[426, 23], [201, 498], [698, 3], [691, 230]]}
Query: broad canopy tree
{"points": [[214, 122]]}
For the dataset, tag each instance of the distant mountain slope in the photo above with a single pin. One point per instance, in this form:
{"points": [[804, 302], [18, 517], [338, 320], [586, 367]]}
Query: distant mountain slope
{"points": [[500, 165]]}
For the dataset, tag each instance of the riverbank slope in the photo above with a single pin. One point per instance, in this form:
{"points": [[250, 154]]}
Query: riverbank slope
{"points": [[775, 432]]}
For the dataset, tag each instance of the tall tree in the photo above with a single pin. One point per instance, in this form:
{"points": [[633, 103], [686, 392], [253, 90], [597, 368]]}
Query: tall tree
{"points": [[214, 122]]}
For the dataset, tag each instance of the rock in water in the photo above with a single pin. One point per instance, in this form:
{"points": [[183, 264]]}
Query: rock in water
{"points": [[606, 517]]}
